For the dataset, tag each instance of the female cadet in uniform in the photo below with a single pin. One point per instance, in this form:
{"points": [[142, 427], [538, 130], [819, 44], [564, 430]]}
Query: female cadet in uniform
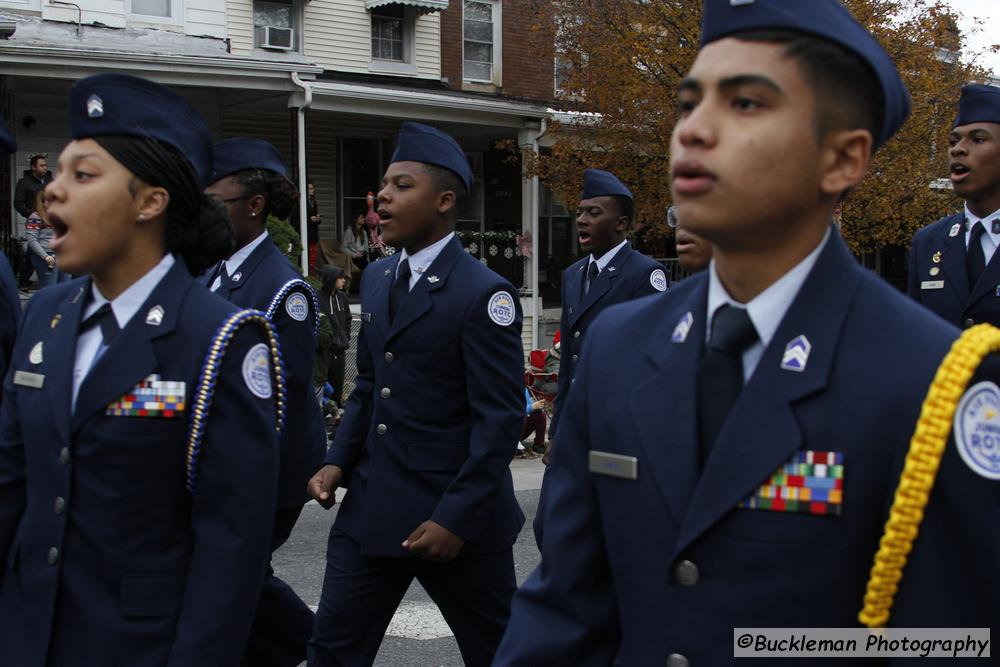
{"points": [[139, 424], [251, 179]]}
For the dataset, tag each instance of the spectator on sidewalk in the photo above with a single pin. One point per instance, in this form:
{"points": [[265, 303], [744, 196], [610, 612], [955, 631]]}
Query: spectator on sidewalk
{"points": [[10, 302], [534, 423], [28, 186], [39, 232], [356, 242], [334, 307]]}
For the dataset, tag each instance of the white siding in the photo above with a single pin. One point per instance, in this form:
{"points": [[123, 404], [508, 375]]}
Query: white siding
{"points": [[109, 12], [205, 18], [338, 37], [239, 23]]}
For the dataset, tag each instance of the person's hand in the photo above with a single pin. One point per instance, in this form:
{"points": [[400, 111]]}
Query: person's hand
{"points": [[315, 218], [432, 541], [50, 260], [537, 405], [323, 485]]}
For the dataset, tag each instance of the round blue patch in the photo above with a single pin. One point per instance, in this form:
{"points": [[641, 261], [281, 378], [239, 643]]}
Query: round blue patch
{"points": [[977, 429], [658, 280], [297, 306], [501, 309], [257, 372]]}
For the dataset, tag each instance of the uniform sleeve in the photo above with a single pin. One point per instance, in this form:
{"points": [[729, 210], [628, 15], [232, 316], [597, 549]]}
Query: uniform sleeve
{"points": [[912, 283], [232, 511], [298, 338], [570, 594], [13, 493], [951, 577], [494, 374], [347, 446], [647, 285]]}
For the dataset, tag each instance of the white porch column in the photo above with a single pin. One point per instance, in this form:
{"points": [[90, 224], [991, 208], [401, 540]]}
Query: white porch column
{"points": [[527, 139]]}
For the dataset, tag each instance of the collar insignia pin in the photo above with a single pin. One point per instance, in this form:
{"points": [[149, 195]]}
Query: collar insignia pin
{"points": [[237, 276], [611, 268], [432, 279], [955, 229], [76, 297], [35, 356], [683, 327], [796, 354], [996, 226], [55, 321], [155, 316], [936, 258], [387, 272]]}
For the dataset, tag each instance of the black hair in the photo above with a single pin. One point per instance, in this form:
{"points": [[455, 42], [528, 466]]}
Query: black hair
{"points": [[280, 194], [446, 179], [197, 226], [626, 207], [33, 160], [848, 95]]}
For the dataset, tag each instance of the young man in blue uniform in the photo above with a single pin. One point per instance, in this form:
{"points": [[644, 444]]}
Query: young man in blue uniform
{"points": [[10, 301], [954, 269], [611, 272], [140, 420], [670, 521], [425, 444], [249, 177]]}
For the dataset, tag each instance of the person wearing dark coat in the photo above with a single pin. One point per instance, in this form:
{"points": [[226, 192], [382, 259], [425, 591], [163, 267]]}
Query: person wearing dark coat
{"points": [[334, 306], [250, 178], [10, 300]]}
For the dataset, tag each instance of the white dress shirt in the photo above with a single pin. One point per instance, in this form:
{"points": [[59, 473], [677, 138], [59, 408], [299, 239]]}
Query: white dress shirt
{"points": [[124, 306], [991, 239], [767, 309], [240, 256], [421, 260], [606, 258]]}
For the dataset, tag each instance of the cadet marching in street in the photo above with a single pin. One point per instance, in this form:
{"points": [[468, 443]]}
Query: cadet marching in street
{"points": [[954, 268], [611, 272], [140, 420], [767, 403], [425, 445], [250, 179]]}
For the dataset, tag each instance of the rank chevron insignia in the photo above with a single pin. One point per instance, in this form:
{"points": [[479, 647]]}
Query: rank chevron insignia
{"points": [[95, 106], [683, 326], [796, 354]]}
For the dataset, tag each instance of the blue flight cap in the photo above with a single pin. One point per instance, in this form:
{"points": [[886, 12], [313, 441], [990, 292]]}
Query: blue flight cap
{"points": [[235, 155], [978, 104], [7, 143], [600, 183], [124, 105], [423, 143], [825, 19]]}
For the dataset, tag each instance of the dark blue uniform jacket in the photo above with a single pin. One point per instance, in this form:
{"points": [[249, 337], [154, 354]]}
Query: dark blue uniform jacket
{"points": [[634, 570], [947, 292], [106, 558], [435, 415]]}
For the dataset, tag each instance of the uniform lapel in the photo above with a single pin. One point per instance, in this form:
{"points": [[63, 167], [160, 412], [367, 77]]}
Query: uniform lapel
{"points": [[572, 291], [953, 259], [988, 282], [663, 405], [60, 354], [603, 283], [762, 432], [246, 269], [379, 295], [419, 301], [131, 356]]}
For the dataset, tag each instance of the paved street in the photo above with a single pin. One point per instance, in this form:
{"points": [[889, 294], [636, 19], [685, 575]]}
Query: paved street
{"points": [[418, 635]]}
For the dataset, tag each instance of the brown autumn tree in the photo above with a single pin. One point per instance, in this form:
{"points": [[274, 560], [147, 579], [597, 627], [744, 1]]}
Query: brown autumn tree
{"points": [[623, 59]]}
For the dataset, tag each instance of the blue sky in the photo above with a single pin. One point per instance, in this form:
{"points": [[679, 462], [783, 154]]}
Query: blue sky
{"points": [[989, 33]]}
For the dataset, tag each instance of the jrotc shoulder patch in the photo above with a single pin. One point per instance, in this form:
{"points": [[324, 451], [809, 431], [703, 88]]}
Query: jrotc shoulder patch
{"points": [[977, 429], [658, 279], [256, 371], [501, 309], [297, 306], [810, 482]]}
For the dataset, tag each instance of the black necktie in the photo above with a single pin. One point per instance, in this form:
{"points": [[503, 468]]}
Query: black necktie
{"points": [[975, 260], [592, 272], [105, 318], [223, 277], [720, 372], [400, 288]]}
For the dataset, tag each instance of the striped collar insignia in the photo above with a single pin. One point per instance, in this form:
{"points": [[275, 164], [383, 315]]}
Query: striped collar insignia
{"points": [[683, 327], [796, 354]]}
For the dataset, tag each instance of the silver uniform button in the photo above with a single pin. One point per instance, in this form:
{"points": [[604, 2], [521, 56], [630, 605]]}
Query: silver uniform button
{"points": [[64, 455], [388, 357], [576, 334], [969, 322], [677, 660], [686, 573], [53, 555], [381, 429], [385, 393], [60, 505], [576, 357]]}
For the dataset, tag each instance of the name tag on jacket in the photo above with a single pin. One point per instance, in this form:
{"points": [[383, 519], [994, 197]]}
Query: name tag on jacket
{"points": [[614, 465], [932, 284], [26, 379]]}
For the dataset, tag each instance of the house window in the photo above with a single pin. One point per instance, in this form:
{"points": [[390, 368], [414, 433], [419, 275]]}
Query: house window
{"points": [[276, 24], [152, 8], [389, 33], [481, 41]]}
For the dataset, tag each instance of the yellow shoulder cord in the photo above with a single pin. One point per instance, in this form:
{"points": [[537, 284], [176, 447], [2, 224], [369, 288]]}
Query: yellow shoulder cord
{"points": [[921, 466], [210, 375]]}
